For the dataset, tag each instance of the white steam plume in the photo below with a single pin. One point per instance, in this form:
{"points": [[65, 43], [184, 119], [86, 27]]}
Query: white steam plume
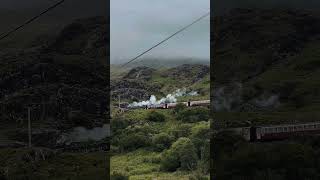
{"points": [[170, 98]]}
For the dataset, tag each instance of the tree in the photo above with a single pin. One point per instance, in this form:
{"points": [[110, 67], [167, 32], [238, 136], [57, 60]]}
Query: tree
{"points": [[182, 154]]}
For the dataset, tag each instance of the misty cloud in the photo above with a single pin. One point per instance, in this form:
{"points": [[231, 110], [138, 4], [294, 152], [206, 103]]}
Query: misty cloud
{"points": [[137, 25]]}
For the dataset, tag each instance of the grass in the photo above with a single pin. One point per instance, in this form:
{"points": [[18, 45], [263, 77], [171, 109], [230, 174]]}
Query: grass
{"points": [[143, 165]]}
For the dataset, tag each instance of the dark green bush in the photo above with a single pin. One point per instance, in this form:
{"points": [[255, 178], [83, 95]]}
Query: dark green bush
{"points": [[192, 115], [161, 141], [118, 123], [155, 116], [181, 130], [133, 138], [200, 136], [182, 155]]}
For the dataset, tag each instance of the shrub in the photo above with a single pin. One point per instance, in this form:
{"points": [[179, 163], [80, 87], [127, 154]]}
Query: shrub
{"points": [[192, 115], [118, 123], [155, 116], [200, 136], [161, 141], [181, 130], [182, 154], [134, 137]]}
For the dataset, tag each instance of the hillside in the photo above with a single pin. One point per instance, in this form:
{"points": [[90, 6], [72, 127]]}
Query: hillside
{"points": [[265, 71], [266, 61], [164, 144], [158, 63], [62, 78], [139, 83]]}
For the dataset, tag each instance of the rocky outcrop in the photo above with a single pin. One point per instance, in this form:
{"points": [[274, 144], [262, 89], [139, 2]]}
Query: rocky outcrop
{"points": [[141, 72], [188, 72]]}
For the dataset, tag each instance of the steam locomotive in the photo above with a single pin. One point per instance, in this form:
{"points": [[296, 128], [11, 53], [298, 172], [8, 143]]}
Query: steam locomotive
{"points": [[278, 132], [173, 105]]}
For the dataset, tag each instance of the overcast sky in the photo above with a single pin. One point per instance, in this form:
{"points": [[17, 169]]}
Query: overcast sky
{"points": [[136, 25]]}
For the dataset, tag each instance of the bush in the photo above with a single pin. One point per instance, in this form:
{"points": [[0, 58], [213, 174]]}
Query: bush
{"points": [[118, 123], [181, 130], [161, 141], [133, 138], [155, 116], [182, 154], [192, 115], [200, 136], [133, 142]]}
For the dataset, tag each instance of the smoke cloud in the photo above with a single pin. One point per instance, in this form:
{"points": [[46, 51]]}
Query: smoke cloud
{"points": [[82, 134], [271, 101], [227, 96], [170, 98]]}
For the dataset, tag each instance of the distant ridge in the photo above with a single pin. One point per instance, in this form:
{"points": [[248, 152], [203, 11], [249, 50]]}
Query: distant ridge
{"points": [[166, 62]]}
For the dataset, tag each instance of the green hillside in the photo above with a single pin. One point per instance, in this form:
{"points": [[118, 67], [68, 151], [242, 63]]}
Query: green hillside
{"points": [[267, 61], [265, 71], [144, 81], [162, 144]]}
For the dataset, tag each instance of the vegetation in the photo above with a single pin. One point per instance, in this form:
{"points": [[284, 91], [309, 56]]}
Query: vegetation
{"points": [[265, 55], [40, 164], [294, 159], [159, 144]]}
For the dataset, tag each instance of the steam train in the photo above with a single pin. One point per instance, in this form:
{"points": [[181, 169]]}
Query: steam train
{"points": [[173, 105], [278, 132]]}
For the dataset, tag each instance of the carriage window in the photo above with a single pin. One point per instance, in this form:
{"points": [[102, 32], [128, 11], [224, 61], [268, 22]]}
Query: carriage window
{"points": [[285, 129]]}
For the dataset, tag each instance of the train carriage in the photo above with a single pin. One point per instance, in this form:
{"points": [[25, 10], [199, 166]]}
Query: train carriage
{"points": [[280, 132], [200, 103]]}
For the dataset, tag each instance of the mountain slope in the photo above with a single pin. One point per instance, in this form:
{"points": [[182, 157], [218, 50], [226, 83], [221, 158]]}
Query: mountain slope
{"points": [[65, 88], [140, 83], [266, 56]]}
